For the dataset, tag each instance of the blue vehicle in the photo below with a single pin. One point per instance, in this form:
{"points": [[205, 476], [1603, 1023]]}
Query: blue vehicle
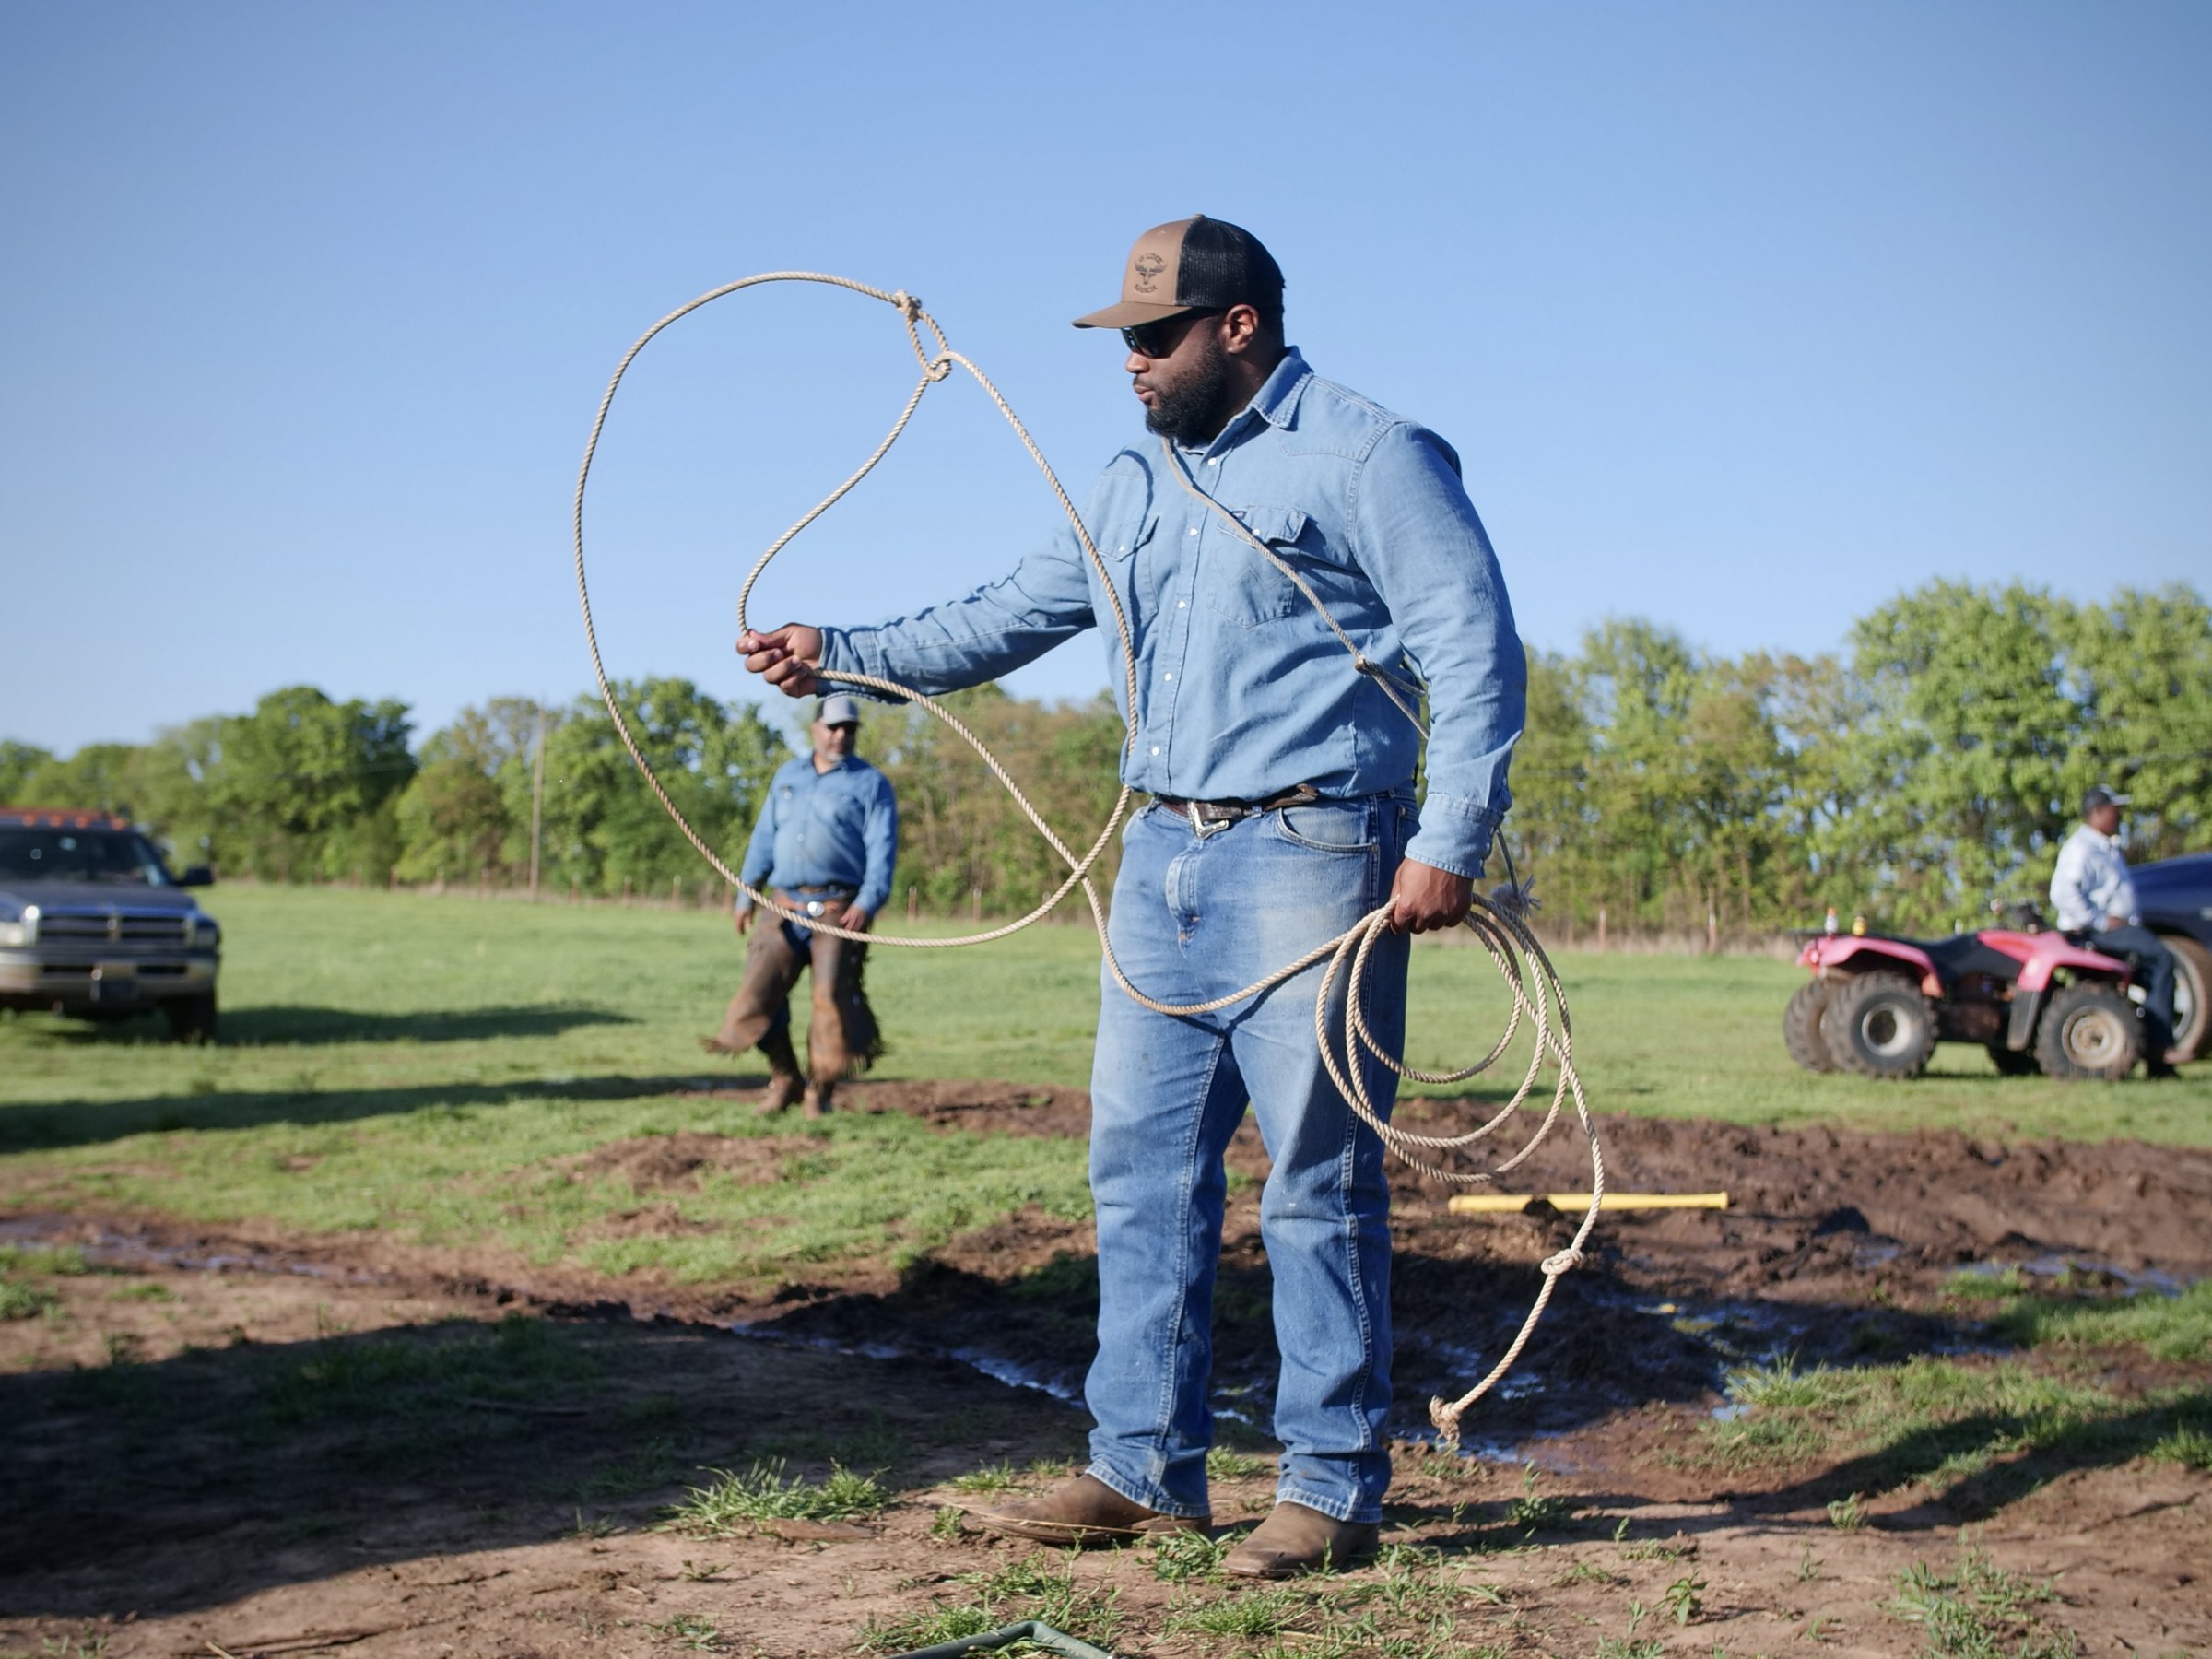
{"points": [[2175, 898]]}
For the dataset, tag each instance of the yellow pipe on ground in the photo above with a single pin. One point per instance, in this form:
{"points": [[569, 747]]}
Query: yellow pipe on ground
{"points": [[1484, 1204]]}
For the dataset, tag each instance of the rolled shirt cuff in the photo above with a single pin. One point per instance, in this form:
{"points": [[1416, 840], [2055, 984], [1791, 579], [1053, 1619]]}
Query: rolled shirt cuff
{"points": [[1455, 835]]}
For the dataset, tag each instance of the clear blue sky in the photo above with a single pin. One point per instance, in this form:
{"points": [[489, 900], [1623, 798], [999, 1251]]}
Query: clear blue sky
{"points": [[1744, 316]]}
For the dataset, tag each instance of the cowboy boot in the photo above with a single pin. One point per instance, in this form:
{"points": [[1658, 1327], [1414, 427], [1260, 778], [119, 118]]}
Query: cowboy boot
{"points": [[783, 1080], [1086, 1514], [820, 1097], [1296, 1540]]}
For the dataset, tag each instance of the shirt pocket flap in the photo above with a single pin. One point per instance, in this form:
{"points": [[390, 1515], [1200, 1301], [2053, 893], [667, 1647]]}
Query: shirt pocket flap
{"points": [[1279, 525]]}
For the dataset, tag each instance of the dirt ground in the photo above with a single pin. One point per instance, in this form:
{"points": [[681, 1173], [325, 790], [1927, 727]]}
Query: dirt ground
{"points": [[257, 1444]]}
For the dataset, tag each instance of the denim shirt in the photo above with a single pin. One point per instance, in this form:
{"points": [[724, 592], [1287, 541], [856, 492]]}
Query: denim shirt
{"points": [[1242, 692], [833, 829]]}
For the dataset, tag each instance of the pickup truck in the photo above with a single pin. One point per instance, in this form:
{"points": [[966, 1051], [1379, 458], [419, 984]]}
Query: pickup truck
{"points": [[93, 925]]}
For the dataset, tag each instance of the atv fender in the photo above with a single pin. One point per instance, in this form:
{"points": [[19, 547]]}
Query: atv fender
{"points": [[1849, 953], [2027, 1008]]}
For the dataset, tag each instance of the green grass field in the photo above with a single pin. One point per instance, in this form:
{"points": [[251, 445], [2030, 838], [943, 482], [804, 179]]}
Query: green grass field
{"points": [[422, 1065]]}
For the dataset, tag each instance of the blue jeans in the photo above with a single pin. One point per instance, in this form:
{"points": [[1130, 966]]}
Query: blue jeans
{"points": [[1194, 918]]}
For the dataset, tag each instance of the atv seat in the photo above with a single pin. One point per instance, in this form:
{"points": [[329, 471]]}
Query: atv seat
{"points": [[1957, 958]]}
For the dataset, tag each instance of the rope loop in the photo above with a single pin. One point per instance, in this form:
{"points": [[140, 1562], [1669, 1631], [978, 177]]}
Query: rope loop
{"points": [[1340, 1024]]}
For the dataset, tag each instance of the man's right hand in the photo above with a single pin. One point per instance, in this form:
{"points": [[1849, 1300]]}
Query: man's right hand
{"points": [[744, 921], [785, 657]]}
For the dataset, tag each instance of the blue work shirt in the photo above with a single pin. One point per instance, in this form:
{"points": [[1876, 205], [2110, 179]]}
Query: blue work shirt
{"points": [[833, 829], [1242, 692]]}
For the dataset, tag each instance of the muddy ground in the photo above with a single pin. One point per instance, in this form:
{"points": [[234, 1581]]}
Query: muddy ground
{"points": [[251, 1443]]}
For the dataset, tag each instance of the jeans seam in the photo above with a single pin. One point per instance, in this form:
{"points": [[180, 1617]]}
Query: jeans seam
{"points": [[1164, 1423]]}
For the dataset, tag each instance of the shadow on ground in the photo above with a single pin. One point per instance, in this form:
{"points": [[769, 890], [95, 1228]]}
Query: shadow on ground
{"points": [[289, 1024], [55, 1124], [231, 1470]]}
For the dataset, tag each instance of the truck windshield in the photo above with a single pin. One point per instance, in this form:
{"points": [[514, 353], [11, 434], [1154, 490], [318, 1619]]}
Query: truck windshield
{"points": [[114, 856]]}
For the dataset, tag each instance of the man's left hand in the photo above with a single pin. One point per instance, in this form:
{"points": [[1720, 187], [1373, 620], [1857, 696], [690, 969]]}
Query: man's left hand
{"points": [[855, 918], [1425, 897]]}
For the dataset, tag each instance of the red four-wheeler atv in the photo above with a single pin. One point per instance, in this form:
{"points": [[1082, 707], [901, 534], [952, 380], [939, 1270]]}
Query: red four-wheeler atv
{"points": [[1879, 1005]]}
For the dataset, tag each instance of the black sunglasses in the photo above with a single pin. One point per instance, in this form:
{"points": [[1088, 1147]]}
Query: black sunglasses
{"points": [[1160, 340]]}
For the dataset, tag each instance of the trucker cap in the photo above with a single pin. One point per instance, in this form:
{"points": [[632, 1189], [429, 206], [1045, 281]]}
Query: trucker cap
{"points": [[2099, 795], [1191, 265], [838, 709]]}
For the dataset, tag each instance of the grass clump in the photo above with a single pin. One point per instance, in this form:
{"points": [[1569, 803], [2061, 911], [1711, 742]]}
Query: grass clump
{"points": [[1249, 1613], [1979, 1611], [991, 1477], [25, 1301], [2166, 1327], [1031, 1588], [1221, 1463], [1178, 1557], [42, 1258], [742, 1503], [1534, 1513]]}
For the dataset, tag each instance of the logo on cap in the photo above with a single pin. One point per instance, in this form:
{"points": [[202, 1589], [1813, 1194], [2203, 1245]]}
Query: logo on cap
{"points": [[1148, 266]]}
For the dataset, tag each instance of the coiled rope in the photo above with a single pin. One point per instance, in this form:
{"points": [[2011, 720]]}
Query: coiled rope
{"points": [[1501, 924]]}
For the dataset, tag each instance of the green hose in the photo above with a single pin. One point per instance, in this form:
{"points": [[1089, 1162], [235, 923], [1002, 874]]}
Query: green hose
{"points": [[1043, 1635]]}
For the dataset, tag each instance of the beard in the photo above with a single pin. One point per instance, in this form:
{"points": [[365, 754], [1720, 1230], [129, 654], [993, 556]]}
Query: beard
{"points": [[1194, 410]]}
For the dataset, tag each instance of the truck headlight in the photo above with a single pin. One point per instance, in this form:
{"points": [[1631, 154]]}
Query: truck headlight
{"points": [[206, 935], [19, 926]]}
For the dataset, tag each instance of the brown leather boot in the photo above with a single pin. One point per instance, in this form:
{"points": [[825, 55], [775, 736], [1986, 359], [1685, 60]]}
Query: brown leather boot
{"points": [[1296, 1540], [820, 1097], [782, 1089], [1086, 1514]]}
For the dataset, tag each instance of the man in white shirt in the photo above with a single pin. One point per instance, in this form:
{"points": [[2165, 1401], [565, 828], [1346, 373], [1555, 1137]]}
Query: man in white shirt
{"points": [[2092, 894]]}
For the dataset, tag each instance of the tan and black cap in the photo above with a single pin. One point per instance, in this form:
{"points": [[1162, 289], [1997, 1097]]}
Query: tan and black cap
{"points": [[1191, 264]]}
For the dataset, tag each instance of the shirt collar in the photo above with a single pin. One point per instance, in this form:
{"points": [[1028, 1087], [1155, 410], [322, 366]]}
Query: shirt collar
{"points": [[1275, 402]]}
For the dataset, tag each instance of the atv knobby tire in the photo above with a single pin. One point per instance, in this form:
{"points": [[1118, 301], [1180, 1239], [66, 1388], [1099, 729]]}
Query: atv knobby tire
{"points": [[2089, 1031], [2193, 996], [1880, 1026], [1801, 1027]]}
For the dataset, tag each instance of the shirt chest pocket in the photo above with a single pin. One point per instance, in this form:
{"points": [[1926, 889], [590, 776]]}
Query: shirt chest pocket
{"points": [[1239, 585]]}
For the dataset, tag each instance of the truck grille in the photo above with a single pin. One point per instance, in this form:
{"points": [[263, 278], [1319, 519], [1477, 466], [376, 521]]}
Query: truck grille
{"points": [[117, 926]]}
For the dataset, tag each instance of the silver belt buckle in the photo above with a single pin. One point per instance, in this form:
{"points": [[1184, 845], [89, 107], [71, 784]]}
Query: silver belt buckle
{"points": [[813, 907], [1202, 827]]}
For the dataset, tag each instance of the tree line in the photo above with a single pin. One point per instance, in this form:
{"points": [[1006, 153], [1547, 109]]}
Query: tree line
{"points": [[1929, 768]]}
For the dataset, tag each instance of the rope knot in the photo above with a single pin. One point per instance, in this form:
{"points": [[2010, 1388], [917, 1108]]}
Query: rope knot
{"points": [[908, 306], [1360, 664], [938, 367], [1565, 1262], [1443, 1417]]}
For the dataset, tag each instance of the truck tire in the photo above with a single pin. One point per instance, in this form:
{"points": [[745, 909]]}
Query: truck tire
{"points": [[190, 1019], [1801, 1027], [1880, 1026], [2192, 996], [2091, 1030]]}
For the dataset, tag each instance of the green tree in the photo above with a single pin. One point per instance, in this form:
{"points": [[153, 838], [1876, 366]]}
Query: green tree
{"points": [[456, 817], [19, 763], [303, 786], [604, 831]]}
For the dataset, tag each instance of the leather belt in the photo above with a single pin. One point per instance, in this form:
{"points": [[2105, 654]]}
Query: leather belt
{"points": [[1207, 817], [801, 897]]}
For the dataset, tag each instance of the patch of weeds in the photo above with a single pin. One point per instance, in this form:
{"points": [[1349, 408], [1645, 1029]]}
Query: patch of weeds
{"points": [[594, 1527], [2166, 1327], [42, 1258], [1979, 1611], [1584, 1572], [742, 1503], [703, 1573], [1031, 1588], [1978, 1284], [1532, 1513], [1782, 1385], [147, 1293], [1178, 1557], [1248, 1613], [124, 1347], [1626, 1647], [690, 1631], [1846, 1514], [424, 1371], [1808, 1566], [1684, 1599], [25, 1301], [1224, 1465], [1659, 1549], [653, 1466], [945, 1528], [875, 1445], [991, 1478], [2189, 1444]]}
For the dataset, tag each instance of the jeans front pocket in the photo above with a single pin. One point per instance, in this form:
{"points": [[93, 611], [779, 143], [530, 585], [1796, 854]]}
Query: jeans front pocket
{"points": [[1328, 826]]}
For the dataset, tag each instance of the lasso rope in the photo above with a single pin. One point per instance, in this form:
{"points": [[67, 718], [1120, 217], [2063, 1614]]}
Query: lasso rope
{"points": [[1502, 926]]}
